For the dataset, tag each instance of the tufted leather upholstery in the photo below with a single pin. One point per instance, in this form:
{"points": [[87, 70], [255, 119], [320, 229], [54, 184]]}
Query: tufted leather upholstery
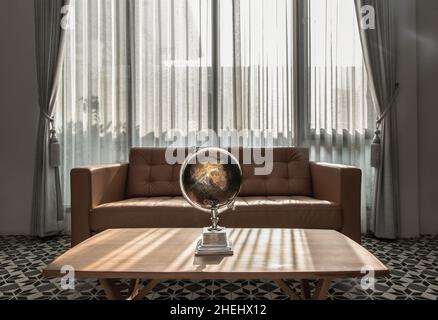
{"points": [[146, 193], [290, 175], [151, 176]]}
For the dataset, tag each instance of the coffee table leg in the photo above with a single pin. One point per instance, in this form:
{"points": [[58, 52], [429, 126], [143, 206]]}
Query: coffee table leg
{"points": [[286, 289], [113, 292], [133, 288], [305, 290], [320, 293], [148, 288]]}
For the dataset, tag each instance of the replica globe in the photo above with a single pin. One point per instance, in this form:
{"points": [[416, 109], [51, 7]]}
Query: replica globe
{"points": [[210, 180]]}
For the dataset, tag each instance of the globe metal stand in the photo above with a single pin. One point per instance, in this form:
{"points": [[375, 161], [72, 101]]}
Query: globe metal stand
{"points": [[214, 239]]}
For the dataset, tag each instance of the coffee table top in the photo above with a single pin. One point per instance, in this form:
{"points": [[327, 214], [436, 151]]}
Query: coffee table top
{"points": [[161, 253]]}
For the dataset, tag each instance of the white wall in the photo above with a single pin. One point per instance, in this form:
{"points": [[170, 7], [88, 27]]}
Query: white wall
{"points": [[407, 112], [417, 55], [18, 114], [427, 84]]}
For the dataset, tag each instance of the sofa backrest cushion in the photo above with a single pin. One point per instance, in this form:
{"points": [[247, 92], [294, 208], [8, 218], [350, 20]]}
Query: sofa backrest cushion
{"points": [[151, 176], [290, 174]]}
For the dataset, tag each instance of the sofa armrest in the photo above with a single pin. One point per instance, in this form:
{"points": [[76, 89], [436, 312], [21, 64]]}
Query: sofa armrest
{"points": [[340, 184], [92, 186]]}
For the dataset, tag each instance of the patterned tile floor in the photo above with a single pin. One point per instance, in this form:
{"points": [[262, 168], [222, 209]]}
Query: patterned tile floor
{"points": [[414, 275]]}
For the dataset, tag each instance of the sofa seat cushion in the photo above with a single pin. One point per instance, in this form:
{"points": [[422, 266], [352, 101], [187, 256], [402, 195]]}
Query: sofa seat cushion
{"points": [[152, 212], [285, 212], [251, 212]]}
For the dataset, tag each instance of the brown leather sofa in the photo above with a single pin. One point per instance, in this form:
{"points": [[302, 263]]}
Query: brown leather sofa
{"points": [[146, 193]]}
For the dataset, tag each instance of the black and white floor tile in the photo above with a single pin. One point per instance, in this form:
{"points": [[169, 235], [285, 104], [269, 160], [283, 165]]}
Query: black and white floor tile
{"points": [[413, 264]]}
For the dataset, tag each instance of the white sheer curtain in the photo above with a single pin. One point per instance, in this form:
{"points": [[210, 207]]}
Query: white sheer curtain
{"points": [[256, 79], [133, 70], [92, 114], [342, 114], [171, 66]]}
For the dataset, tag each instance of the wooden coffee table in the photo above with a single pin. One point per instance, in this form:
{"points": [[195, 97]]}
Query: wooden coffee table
{"points": [[277, 254]]}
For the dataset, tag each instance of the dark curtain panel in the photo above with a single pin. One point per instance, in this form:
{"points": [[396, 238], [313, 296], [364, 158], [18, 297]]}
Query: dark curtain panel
{"points": [[378, 44], [50, 29]]}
